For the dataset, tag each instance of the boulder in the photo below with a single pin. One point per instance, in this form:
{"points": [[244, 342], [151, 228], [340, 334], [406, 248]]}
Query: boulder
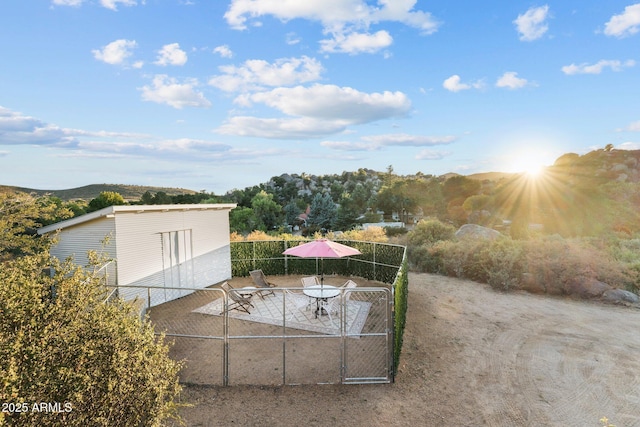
{"points": [[620, 296], [586, 287], [474, 231]]}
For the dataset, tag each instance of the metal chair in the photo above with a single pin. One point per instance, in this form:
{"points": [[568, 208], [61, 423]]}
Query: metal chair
{"points": [[238, 302], [261, 282]]}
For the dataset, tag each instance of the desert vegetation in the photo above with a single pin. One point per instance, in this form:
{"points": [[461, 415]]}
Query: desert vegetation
{"points": [[67, 357]]}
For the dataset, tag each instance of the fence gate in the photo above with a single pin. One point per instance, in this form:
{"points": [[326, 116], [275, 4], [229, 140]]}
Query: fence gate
{"points": [[280, 342]]}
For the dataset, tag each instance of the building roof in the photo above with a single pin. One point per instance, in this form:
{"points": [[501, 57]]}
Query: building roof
{"points": [[113, 210]]}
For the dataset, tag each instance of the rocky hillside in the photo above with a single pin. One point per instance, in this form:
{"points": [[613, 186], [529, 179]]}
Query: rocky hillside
{"points": [[601, 165]]}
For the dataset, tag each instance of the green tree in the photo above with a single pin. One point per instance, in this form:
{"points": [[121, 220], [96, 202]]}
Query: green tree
{"points": [[347, 214], [20, 215], [61, 342], [291, 212], [323, 212], [266, 210], [105, 199], [242, 220]]}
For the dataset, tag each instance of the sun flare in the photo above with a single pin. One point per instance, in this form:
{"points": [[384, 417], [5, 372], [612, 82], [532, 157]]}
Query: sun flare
{"points": [[530, 164]]}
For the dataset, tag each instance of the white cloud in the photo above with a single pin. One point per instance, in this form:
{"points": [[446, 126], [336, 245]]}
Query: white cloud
{"points": [[109, 4], [171, 54], [532, 24], [354, 43], [19, 129], [344, 19], [292, 39], [510, 80], [633, 127], [256, 74], [316, 111], [330, 102], [598, 67], [377, 142], [406, 140], [166, 90], [283, 128], [431, 155], [224, 51], [454, 84], [68, 2], [629, 146], [624, 24], [113, 4], [116, 52]]}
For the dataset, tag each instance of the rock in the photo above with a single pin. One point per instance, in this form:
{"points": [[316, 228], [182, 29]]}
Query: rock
{"points": [[586, 287], [474, 231], [620, 295]]}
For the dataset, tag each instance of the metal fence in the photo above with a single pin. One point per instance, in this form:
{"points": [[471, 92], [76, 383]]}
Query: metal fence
{"points": [[279, 342]]}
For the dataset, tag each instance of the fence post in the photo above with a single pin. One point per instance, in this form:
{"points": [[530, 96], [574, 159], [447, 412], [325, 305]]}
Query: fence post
{"points": [[286, 259], [374, 261]]}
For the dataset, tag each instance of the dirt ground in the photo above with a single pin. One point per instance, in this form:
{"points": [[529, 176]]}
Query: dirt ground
{"points": [[471, 357]]}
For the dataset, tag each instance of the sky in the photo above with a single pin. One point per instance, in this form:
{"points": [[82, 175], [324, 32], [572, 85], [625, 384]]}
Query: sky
{"points": [[215, 95]]}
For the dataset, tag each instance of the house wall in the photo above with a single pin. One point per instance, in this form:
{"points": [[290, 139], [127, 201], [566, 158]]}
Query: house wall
{"points": [[77, 241], [140, 252]]}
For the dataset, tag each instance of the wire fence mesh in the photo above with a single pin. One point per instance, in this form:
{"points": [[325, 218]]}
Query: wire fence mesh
{"points": [[279, 340]]}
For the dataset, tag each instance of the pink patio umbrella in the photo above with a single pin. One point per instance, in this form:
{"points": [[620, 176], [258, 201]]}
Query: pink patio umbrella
{"points": [[322, 248]]}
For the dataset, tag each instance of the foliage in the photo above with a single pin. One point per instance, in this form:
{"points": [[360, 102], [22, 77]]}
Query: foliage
{"points": [[242, 220], [401, 299], [20, 215], [323, 212], [370, 234], [266, 211], [429, 232], [59, 342], [291, 212], [106, 199], [555, 263]]}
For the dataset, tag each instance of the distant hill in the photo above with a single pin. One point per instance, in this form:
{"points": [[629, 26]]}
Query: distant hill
{"points": [[491, 176], [88, 192]]}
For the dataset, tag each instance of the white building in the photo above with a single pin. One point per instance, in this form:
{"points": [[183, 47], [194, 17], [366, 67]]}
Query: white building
{"points": [[162, 247]]}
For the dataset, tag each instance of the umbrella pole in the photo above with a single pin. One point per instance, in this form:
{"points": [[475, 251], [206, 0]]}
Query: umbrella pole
{"points": [[321, 273]]}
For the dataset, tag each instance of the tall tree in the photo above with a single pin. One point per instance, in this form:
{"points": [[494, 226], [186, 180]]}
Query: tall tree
{"points": [[266, 210], [323, 212], [105, 199]]}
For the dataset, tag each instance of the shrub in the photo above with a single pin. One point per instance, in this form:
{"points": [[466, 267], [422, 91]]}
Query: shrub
{"points": [[502, 263], [430, 232], [370, 234], [61, 343], [556, 262]]}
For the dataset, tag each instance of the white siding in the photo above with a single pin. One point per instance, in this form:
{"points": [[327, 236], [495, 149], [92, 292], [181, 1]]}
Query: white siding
{"points": [[197, 235], [140, 251], [76, 241]]}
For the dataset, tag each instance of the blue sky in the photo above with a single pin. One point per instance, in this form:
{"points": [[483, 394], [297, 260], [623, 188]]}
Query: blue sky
{"points": [[216, 95]]}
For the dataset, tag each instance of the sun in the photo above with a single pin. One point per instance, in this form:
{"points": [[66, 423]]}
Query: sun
{"points": [[533, 169], [531, 164]]}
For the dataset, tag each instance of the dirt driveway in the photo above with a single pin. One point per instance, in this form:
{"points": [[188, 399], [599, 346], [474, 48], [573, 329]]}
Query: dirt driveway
{"points": [[471, 357]]}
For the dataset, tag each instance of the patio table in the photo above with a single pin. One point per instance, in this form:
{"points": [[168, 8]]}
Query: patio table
{"points": [[321, 293]]}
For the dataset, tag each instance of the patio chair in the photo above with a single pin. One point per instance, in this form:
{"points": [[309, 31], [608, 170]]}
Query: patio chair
{"points": [[295, 299], [238, 302], [333, 305], [261, 282], [310, 281], [349, 284]]}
